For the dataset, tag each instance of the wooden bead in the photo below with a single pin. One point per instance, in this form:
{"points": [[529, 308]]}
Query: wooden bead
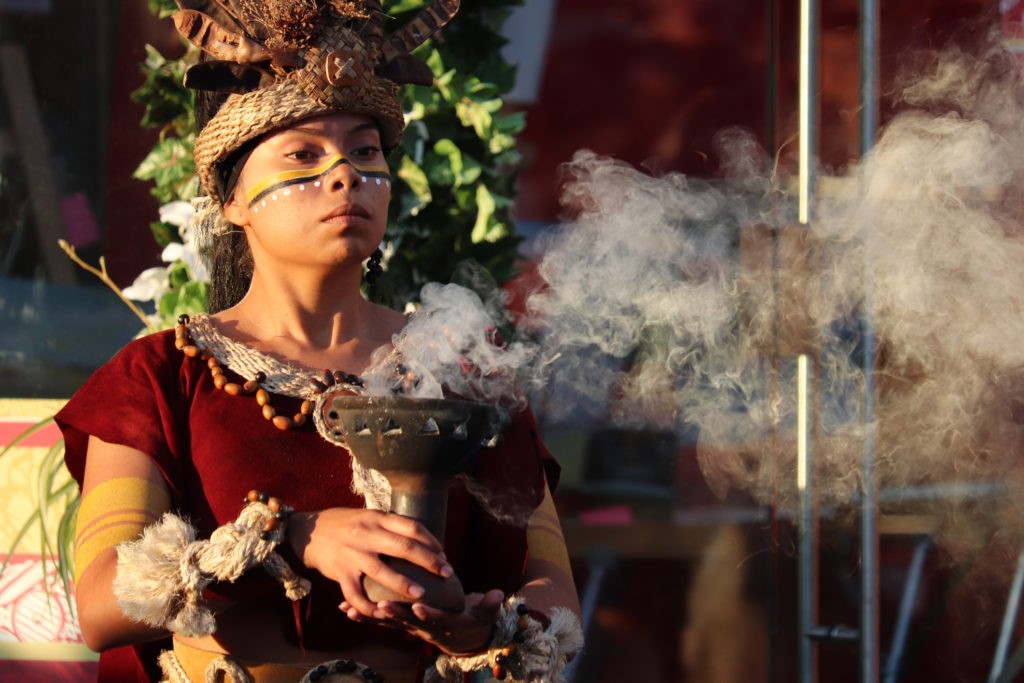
{"points": [[212, 362], [250, 386], [274, 504], [191, 350], [180, 343], [523, 622], [180, 332], [506, 651], [268, 411], [298, 420], [498, 672], [270, 525], [282, 422], [306, 408], [220, 381], [233, 388], [217, 371], [262, 397], [252, 496]]}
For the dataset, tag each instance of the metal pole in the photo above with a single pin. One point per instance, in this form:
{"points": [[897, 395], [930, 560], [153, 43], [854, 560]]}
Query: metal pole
{"points": [[910, 588], [869, 503], [807, 547], [806, 566], [1009, 621]]}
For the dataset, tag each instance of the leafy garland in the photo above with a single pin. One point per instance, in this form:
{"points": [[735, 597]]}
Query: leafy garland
{"points": [[454, 170]]}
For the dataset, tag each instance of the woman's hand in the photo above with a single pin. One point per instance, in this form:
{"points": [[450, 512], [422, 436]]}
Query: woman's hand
{"points": [[344, 544], [454, 633]]}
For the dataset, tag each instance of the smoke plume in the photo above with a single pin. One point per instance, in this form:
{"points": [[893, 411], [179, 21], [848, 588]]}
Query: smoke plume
{"points": [[671, 302]]}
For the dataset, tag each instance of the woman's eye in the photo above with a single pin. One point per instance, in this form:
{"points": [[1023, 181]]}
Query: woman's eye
{"points": [[366, 152], [301, 155]]}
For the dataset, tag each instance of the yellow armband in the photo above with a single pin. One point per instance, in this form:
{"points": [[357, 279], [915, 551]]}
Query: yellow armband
{"points": [[113, 512], [544, 535]]}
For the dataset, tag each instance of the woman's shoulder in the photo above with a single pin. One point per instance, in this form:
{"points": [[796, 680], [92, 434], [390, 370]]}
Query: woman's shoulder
{"points": [[155, 350]]}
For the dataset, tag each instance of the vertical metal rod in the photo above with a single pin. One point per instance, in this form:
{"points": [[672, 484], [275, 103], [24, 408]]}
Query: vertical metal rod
{"points": [[806, 570], [806, 575], [910, 587], [869, 502], [1009, 620], [808, 87], [868, 74]]}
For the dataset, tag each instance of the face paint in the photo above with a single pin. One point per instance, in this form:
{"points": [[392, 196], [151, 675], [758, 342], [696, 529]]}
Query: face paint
{"points": [[282, 182]]}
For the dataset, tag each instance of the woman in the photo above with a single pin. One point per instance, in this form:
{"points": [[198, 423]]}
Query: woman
{"points": [[166, 443]]}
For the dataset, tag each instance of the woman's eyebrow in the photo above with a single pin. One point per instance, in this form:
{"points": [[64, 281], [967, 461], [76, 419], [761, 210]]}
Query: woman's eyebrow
{"points": [[317, 132]]}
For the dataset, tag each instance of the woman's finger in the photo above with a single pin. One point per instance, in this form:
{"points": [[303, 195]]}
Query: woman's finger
{"points": [[355, 598]]}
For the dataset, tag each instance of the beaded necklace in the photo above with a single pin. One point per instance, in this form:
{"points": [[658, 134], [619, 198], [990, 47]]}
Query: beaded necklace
{"points": [[196, 337]]}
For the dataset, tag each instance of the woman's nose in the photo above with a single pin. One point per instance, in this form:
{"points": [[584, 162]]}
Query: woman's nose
{"points": [[343, 175]]}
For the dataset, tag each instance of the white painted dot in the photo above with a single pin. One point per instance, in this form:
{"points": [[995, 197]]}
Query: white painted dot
{"points": [[287, 192], [264, 202], [364, 179], [274, 197], [302, 188], [378, 181], [316, 184]]}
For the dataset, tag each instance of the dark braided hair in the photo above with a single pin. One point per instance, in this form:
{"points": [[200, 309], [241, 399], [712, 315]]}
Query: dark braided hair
{"points": [[229, 258]]}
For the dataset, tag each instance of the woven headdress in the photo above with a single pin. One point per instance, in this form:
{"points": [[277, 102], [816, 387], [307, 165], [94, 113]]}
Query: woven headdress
{"points": [[285, 60]]}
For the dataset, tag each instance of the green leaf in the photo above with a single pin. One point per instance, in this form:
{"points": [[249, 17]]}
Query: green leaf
{"points": [[192, 298], [168, 303], [404, 6], [164, 233], [484, 215], [162, 8], [416, 180]]}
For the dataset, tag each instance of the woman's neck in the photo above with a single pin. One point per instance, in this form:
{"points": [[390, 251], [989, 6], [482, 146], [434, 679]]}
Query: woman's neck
{"points": [[313, 322]]}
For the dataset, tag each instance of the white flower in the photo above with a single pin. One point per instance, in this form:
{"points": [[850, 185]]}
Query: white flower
{"points": [[180, 213], [186, 252], [177, 213], [150, 285]]}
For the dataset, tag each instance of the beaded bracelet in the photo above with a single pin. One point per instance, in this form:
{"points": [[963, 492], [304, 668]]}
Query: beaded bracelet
{"points": [[280, 513], [353, 669], [523, 649]]}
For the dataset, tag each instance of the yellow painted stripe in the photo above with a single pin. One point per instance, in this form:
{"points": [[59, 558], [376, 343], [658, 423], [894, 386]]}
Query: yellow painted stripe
{"points": [[309, 175]]}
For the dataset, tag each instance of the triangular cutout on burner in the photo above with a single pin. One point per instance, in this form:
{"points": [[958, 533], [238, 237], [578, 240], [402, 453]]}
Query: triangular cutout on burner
{"points": [[430, 428], [392, 429], [461, 431]]}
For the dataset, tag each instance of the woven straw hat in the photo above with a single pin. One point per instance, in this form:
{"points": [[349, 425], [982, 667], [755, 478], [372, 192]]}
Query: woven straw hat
{"points": [[286, 60]]}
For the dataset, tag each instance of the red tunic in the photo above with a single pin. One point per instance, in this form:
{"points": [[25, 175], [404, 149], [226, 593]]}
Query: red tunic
{"points": [[212, 448]]}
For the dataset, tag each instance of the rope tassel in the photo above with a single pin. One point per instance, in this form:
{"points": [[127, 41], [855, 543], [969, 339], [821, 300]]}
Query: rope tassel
{"points": [[162, 575]]}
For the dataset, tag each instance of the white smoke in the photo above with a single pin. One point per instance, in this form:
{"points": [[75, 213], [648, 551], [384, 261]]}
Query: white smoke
{"points": [[671, 302], [451, 347]]}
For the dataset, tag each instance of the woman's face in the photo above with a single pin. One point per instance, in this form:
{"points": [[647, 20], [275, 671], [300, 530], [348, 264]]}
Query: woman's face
{"points": [[315, 193]]}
